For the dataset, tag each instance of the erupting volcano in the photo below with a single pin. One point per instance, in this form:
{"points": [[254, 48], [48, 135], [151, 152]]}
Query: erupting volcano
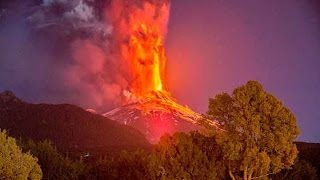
{"points": [[148, 106], [147, 59]]}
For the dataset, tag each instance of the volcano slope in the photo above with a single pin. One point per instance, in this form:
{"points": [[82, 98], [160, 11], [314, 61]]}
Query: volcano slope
{"points": [[156, 114], [69, 127]]}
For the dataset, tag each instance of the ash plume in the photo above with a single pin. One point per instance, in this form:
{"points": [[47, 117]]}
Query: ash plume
{"points": [[71, 51]]}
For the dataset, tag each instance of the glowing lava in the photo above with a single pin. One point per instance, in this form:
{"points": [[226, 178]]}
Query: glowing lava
{"points": [[148, 105], [141, 31], [147, 59]]}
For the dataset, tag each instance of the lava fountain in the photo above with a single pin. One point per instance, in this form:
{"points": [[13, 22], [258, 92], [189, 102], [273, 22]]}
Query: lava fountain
{"points": [[144, 31], [147, 59], [148, 105]]}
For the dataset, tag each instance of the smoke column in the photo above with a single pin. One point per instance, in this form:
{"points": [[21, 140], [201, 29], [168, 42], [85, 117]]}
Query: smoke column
{"points": [[73, 51]]}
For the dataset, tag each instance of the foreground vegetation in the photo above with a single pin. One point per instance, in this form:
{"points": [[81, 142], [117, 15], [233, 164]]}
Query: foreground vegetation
{"points": [[256, 143], [259, 132], [180, 156], [14, 164]]}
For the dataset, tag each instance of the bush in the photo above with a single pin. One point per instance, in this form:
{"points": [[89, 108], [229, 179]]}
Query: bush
{"points": [[301, 170], [54, 165], [14, 164]]}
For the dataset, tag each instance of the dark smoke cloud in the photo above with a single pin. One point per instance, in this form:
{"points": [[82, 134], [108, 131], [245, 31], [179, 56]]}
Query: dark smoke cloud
{"points": [[67, 51]]}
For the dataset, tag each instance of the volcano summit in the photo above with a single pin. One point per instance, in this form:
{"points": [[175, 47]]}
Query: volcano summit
{"points": [[148, 106], [110, 53], [157, 114]]}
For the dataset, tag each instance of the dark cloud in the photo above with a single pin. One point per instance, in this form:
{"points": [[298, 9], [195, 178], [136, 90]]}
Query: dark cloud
{"points": [[67, 51]]}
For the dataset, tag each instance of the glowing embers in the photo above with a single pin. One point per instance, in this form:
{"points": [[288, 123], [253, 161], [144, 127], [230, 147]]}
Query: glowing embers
{"points": [[160, 124], [155, 114], [147, 59]]}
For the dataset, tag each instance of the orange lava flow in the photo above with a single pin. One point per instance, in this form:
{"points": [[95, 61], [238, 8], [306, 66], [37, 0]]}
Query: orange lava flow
{"points": [[147, 59]]}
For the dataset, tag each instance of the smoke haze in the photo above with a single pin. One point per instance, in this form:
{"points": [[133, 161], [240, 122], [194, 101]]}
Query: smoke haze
{"points": [[71, 51]]}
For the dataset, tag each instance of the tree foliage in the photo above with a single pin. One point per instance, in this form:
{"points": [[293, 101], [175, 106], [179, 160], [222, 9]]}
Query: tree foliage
{"points": [[128, 165], [54, 165], [188, 156], [256, 142], [302, 169], [14, 164], [259, 131], [180, 156]]}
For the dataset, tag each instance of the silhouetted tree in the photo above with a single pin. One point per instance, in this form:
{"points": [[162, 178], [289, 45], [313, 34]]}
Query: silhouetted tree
{"points": [[180, 156], [310, 153], [128, 165], [14, 164], [54, 165], [259, 131], [187, 156], [301, 170]]}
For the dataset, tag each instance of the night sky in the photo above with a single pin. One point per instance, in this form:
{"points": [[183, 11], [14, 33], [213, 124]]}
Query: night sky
{"points": [[215, 46]]}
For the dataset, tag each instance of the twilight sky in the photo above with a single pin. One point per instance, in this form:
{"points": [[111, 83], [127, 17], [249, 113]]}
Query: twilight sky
{"points": [[217, 45]]}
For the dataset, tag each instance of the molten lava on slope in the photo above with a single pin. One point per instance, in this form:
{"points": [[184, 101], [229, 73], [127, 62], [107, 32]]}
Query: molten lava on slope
{"points": [[156, 114], [148, 106]]}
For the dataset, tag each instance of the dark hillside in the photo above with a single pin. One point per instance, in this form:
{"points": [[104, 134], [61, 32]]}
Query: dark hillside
{"points": [[69, 127], [311, 153]]}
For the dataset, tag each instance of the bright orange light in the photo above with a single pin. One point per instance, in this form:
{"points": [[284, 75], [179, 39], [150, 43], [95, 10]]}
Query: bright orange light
{"points": [[147, 58]]}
